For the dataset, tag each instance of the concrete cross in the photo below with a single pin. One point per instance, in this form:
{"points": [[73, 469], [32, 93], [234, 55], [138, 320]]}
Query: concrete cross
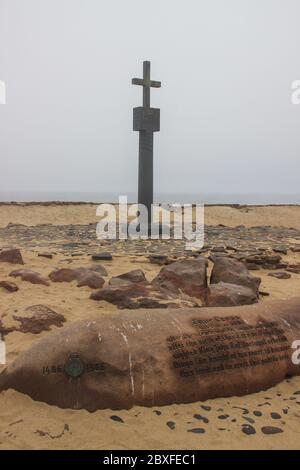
{"points": [[146, 121], [147, 83]]}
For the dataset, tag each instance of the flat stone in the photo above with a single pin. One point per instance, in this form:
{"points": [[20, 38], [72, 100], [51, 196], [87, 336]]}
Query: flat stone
{"points": [[271, 430], [280, 275], [105, 256]]}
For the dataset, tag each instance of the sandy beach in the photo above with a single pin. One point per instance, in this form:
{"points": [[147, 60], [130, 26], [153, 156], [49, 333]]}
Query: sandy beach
{"points": [[26, 424]]}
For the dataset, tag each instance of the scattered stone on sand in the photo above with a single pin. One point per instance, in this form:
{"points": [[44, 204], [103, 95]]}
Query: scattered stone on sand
{"points": [[117, 419], [225, 295], [9, 286], [45, 254], [11, 255], [30, 276], [188, 276], [234, 272], [159, 259], [171, 424], [295, 248], [282, 249], [223, 417], [275, 415], [280, 275], [84, 277], [135, 276], [206, 407], [271, 430], [266, 261], [248, 429], [201, 418], [197, 430], [293, 268], [257, 413], [157, 412], [105, 256], [250, 420]]}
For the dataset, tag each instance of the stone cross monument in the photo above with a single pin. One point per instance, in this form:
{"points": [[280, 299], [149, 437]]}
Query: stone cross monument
{"points": [[146, 120]]}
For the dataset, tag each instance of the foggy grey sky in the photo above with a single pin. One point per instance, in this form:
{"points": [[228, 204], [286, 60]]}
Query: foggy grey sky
{"points": [[227, 123]]}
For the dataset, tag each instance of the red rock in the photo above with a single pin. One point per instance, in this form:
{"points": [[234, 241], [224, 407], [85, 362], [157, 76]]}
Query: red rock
{"points": [[30, 276], [231, 271], [11, 255], [40, 319], [133, 296], [155, 358], [9, 286], [84, 276], [135, 276], [229, 295], [187, 275]]}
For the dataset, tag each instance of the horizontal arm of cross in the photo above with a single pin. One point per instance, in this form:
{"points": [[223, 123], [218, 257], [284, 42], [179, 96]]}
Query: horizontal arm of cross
{"points": [[142, 82]]}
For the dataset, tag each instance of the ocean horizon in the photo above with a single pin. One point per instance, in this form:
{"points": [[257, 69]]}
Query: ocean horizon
{"points": [[159, 197]]}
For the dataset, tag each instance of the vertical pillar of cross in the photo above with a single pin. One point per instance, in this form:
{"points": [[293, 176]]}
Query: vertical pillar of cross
{"points": [[146, 120]]}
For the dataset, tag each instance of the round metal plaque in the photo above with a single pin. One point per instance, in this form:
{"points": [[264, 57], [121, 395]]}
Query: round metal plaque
{"points": [[74, 367]]}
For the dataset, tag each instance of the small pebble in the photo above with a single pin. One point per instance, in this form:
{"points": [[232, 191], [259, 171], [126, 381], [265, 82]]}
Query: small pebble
{"points": [[270, 430], [197, 430], [117, 418], [248, 429], [171, 424]]}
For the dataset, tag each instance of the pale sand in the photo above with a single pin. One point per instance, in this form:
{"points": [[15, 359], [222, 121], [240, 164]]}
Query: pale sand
{"points": [[26, 424], [288, 216]]}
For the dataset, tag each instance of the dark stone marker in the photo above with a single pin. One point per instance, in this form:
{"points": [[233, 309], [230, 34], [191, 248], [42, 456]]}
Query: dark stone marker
{"points": [[146, 120]]}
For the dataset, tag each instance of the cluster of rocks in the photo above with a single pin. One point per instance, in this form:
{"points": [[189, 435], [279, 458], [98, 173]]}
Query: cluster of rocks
{"points": [[182, 283]]}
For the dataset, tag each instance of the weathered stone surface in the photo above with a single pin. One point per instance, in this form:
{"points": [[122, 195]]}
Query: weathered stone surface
{"points": [[233, 272], [226, 295], [9, 286], [149, 359], [34, 319], [133, 296], [39, 318], [280, 275], [30, 276], [11, 255], [187, 275], [134, 276], [84, 276]]}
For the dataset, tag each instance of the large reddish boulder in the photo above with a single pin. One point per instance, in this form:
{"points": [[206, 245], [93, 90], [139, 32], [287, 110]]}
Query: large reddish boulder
{"points": [[30, 276], [139, 295], [11, 255], [231, 271], [155, 358], [84, 276], [187, 275], [229, 295]]}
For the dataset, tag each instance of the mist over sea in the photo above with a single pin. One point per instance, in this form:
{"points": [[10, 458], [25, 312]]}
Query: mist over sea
{"points": [[184, 198]]}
